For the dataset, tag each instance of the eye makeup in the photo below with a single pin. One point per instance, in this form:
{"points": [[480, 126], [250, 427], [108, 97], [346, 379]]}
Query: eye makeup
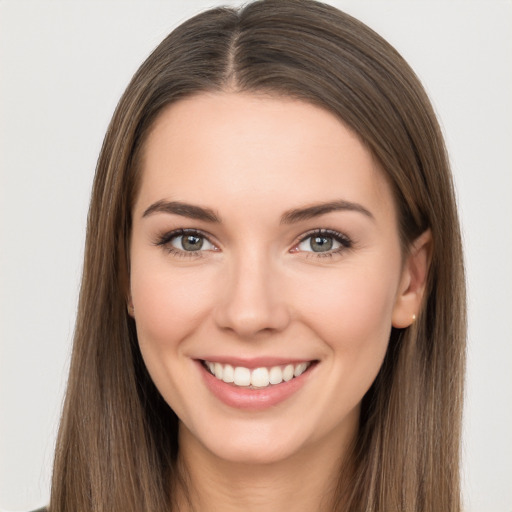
{"points": [[322, 243], [193, 243]]}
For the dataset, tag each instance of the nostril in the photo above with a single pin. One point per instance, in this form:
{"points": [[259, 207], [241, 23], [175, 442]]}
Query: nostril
{"points": [[248, 319], [251, 300]]}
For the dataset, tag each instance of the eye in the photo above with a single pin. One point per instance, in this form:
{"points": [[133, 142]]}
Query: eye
{"points": [[324, 242], [191, 242], [185, 242]]}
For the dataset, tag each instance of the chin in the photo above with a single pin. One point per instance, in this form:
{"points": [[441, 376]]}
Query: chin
{"points": [[255, 441], [255, 452]]}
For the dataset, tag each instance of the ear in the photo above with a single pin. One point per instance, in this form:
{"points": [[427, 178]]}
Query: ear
{"points": [[413, 281]]}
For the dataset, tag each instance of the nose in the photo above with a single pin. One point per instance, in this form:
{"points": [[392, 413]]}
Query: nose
{"points": [[252, 300]]}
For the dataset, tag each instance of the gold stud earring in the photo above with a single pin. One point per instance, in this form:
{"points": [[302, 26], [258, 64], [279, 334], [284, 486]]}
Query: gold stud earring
{"points": [[413, 317]]}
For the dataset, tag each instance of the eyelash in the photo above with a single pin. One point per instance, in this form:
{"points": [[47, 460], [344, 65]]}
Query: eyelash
{"points": [[165, 240], [345, 242]]}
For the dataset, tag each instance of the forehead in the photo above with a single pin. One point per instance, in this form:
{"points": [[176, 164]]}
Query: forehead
{"points": [[238, 150]]}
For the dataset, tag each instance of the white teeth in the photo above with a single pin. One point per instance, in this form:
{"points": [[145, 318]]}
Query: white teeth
{"points": [[218, 371], [258, 377], [242, 376], [299, 369], [288, 372], [228, 375], [275, 375]]}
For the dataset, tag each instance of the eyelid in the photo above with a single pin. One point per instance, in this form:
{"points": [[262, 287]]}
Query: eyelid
{"points": [[165, 239], [344, 240]]}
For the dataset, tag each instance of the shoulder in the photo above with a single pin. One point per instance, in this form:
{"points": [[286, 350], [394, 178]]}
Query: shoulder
{"points": [[42, 509]]}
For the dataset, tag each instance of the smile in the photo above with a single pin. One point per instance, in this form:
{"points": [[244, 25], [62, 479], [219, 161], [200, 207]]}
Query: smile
{"points": [[256, 378]]}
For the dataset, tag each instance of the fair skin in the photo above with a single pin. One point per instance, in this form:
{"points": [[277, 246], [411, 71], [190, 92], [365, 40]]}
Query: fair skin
{"points": [[257, 284]]}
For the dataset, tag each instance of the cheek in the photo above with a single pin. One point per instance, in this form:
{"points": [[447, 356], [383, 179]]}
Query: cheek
{"points": [[168, 304], [352, 317], [351, 309]]}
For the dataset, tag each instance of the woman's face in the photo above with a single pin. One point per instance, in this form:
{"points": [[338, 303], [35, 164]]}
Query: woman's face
{"points": [[264, 251]]}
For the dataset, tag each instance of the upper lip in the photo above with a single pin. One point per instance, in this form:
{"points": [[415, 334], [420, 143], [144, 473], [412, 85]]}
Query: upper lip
{"points": [[255, 362]]}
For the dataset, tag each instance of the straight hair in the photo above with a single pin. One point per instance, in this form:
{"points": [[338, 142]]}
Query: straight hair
{"points": [[117, 446]]}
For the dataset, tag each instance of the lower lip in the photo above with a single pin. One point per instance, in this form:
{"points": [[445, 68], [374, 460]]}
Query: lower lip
{"points": [[253, 399]]}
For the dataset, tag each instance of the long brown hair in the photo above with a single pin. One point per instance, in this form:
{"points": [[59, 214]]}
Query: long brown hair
{"points": [[117, 446]]}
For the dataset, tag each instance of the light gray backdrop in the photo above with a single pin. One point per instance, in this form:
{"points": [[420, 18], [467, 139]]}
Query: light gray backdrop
{"points": [[63, 66]]}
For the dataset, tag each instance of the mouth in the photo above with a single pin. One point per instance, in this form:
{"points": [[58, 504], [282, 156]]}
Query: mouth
{"points": [[256, 384], [256, 378]]}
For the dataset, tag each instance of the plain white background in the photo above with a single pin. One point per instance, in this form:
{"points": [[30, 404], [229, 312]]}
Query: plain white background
{"points": [[63, 66]]}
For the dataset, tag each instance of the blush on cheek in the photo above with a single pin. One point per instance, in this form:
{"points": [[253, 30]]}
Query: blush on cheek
{"points": [[168, 306], [351, 311]]}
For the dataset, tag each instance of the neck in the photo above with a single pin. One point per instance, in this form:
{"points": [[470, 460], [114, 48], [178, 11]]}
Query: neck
{"points": [[304, 482]]}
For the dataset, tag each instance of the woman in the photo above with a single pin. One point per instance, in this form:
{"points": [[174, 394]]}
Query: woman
{"points": [[272, 308]]}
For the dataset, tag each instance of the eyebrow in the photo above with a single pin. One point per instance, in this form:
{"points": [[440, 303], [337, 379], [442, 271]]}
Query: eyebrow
{"points": [[184, 209], [315, 210], [291, 216]]}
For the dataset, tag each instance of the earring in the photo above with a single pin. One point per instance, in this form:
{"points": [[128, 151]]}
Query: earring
{"points": [[131, 309], [413, 317]]}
